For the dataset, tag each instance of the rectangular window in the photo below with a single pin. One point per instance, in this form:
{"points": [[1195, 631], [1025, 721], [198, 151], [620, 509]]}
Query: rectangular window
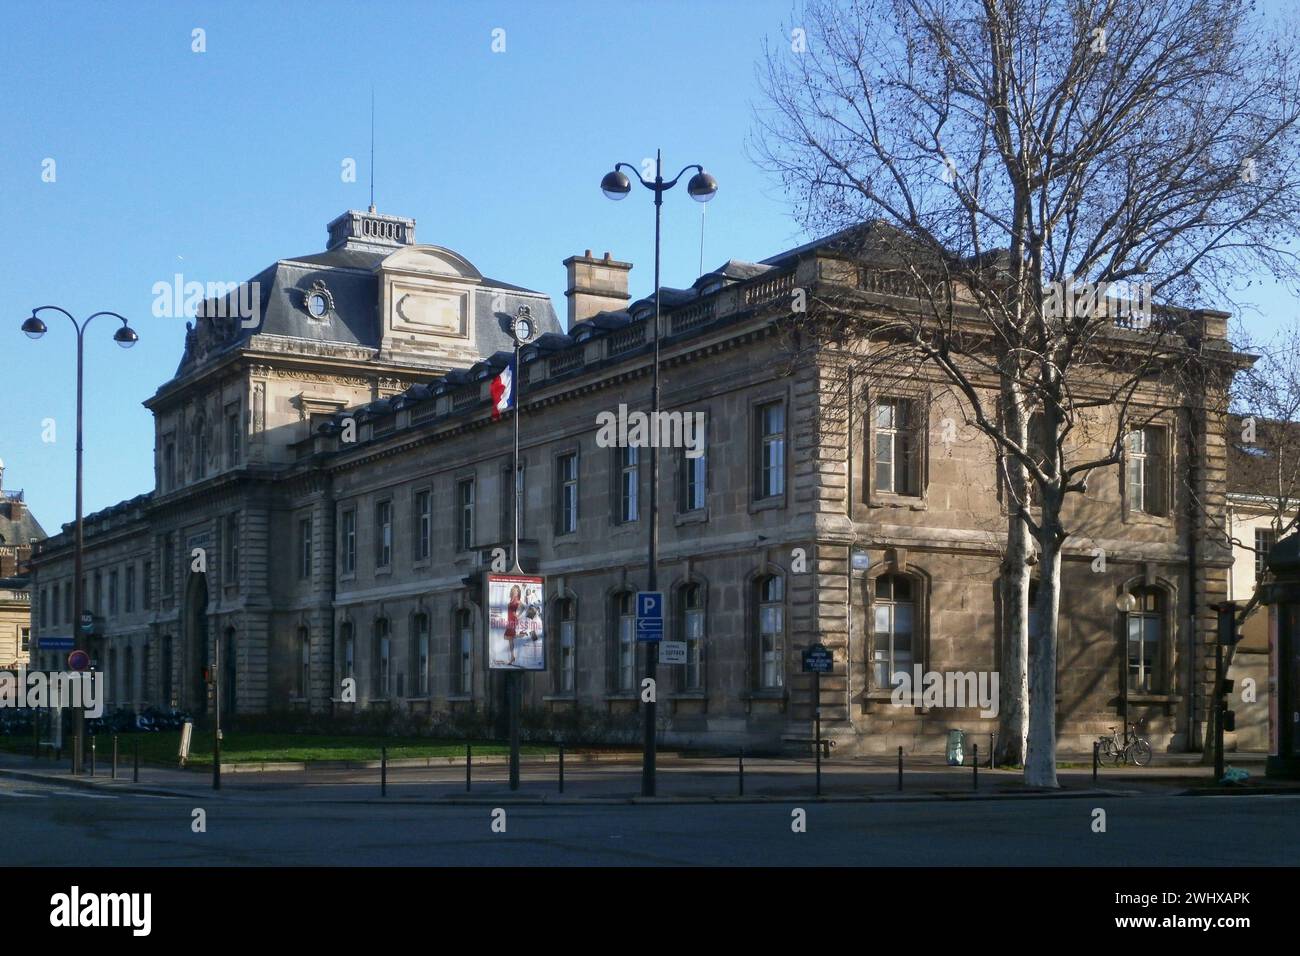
{"points": [[629, 471], [769, 450], [112, 592], [896, 447], [507, 505], [232, 435], [423, 525], [1145, 466], [129, 597], [348, 541], [99, 592], [230, 574], [169, 466], [146, 587], [67, 602], [566, 486], [1265, 538], [304, 548], [465, 514], [383, 534], [26, 639], [45, 606], [692, 485]]}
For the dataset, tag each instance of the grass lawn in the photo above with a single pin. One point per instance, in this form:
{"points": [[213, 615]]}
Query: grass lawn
{"points": [[162, 748]]}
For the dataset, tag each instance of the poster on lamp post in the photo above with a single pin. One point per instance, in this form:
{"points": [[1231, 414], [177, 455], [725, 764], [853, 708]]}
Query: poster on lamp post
{"points": [[516, 622]]}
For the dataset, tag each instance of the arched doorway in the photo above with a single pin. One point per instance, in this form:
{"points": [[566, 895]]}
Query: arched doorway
{"points": [[196, 644]]}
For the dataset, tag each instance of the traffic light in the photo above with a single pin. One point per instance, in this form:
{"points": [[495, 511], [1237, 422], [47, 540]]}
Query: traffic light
{"points": [[1229, 721], [1229, 633]]}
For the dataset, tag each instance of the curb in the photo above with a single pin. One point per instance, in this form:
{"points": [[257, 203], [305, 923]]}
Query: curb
{"points": [[86, 783]]}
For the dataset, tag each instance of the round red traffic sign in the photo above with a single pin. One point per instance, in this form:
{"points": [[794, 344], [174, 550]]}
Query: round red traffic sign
{"points": [[78, 660]]}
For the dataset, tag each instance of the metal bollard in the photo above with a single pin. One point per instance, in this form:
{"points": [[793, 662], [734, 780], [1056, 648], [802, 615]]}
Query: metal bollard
{"points": [[991, 749], [115, 756], [740, 776], [383, 771], [136, 774], [975, 765], [92, 755], [900, 768], [468, 762], [561, 768], [1096, 753]]}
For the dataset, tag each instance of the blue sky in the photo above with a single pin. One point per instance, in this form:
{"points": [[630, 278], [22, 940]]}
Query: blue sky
{"points": [[215, 164]]}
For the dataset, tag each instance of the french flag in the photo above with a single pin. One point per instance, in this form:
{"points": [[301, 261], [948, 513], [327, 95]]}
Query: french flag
{"points": [[503, 391]]}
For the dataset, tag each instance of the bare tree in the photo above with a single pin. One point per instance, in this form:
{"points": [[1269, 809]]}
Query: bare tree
{"points": [[1027, 165]]}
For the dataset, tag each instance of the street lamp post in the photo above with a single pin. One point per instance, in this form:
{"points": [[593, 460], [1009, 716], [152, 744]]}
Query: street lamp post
{"points": [[702, 187], [126, 337]]}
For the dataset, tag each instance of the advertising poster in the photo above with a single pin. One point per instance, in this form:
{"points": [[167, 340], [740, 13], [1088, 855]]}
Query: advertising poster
{"points": [[516, 622]]}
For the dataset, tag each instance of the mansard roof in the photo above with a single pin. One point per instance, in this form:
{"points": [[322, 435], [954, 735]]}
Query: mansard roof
{"points": [[350, 272]]}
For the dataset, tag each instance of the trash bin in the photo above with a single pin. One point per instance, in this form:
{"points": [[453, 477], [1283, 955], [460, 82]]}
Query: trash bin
{"points": [[956, 747]]}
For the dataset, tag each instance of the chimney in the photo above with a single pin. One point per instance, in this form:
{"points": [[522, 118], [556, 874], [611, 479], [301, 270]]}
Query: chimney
{"points": [[595, 285]]}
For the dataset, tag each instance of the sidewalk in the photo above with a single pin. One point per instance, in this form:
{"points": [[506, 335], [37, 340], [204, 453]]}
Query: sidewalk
{"points": [[617, 779]]}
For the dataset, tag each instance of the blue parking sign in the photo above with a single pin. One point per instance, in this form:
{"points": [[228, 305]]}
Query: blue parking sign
{"points": [[649, 615]]}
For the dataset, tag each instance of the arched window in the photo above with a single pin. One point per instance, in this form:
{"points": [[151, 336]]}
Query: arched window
{"points": [[462, 653], [624, 641], [566, 619], [692, 631], [129, 670], [166, 668], [420, 660], [769, 595], [347, 652], [893, 629], [303, 689], [1146, 634], [380, 669]]}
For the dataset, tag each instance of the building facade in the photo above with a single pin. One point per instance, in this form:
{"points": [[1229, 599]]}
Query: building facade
{"points": [[328, 478], [19, 533]]}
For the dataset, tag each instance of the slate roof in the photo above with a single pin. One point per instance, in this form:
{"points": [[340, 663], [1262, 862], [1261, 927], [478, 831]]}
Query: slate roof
{"points": [[17, 523]]}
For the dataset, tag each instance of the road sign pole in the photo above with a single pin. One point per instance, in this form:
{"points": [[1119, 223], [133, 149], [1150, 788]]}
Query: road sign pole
{"points": [[817, 722]]}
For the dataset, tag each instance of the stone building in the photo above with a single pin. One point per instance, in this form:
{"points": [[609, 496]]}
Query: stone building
{"points": [[337, 474], [1263, 472], [19, 532]]}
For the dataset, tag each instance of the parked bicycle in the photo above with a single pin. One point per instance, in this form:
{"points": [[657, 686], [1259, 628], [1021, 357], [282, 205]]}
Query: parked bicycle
{"points": [[1132, 749]]}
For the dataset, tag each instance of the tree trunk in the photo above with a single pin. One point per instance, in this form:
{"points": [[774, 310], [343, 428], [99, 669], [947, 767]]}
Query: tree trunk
{"points": [[1013, 683], [1040, 764]]}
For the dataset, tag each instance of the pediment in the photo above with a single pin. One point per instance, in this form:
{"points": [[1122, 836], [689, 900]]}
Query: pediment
{"points": [[433, 261]]}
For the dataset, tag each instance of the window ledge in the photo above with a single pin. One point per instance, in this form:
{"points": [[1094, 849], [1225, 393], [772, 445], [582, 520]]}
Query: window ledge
{"points": [[459, 697], [1155, 698], [766, 504], [569, 698], [900, 501], [385, 571], [622, 695], [688, 695], [777, 693], [695, 516]]}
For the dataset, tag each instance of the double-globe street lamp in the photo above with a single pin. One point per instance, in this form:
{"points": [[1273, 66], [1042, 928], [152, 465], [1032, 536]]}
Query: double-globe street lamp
{"points": [[34, 328], [702, 187]]}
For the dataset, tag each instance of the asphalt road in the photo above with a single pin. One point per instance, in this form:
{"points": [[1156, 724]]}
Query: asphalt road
{"points": [[55, 825]]}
